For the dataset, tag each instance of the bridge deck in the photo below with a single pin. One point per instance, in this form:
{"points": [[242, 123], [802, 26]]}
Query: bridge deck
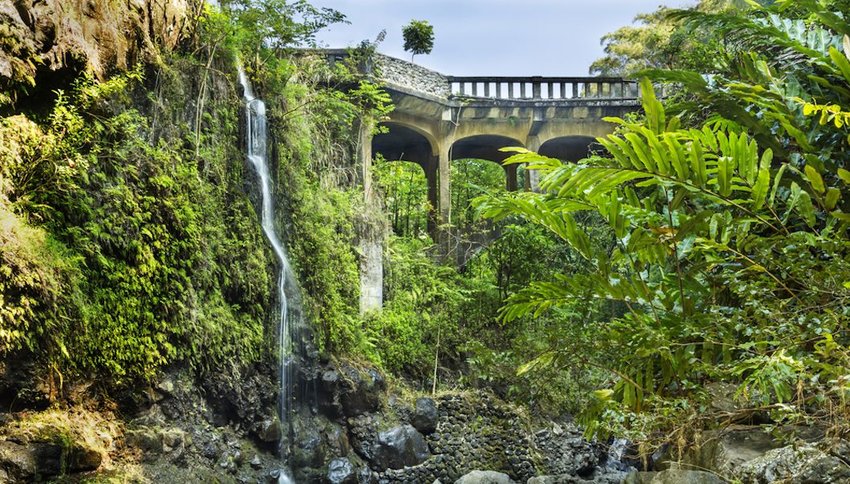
{"points": [[418, 80]]}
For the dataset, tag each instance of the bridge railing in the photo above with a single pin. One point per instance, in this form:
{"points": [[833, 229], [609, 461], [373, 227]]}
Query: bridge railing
{"points": [[543, 88]]}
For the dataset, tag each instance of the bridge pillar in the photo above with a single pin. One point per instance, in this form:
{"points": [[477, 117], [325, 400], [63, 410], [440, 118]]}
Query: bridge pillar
{"points": [[444, 202], [532, 177], [371, 241], [432, 178], [511, 177]]}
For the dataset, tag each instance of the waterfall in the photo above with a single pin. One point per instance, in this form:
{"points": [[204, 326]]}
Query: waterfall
{"points": [[287, 288]]}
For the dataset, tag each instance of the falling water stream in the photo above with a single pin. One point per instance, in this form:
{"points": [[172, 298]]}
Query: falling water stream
{"points": [[288, 292]]}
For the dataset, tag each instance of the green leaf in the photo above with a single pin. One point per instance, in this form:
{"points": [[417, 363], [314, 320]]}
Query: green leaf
{"points": [[815, 179], [725, 165], [776, 181], [832, 197], [840, 61], [541, 361], [652, 107], [844, 175], [642, 151], [806, 209], [698, 164]]}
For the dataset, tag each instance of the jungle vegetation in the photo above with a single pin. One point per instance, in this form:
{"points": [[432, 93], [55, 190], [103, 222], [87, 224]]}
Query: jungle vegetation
{"points": [[707, 243]]}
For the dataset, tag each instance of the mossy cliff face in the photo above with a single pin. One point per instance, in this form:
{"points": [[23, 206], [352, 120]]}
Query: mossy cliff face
{"points": [[130, 240], [100, 36]]}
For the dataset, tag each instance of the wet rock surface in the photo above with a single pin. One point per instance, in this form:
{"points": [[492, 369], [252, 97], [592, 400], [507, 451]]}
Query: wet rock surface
{"points": [[341, 471], [484, 477], [425, 415], [800, 464], [381, 438], [38, 461], [399, 447]]}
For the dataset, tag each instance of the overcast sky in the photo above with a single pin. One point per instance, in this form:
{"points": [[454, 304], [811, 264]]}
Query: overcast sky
{"points": [[493, 37]]}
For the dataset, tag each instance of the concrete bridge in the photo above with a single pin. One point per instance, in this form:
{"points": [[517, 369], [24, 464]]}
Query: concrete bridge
{"points": [[439, 118]]}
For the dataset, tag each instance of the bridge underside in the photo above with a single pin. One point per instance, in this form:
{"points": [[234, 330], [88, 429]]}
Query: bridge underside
{"points": [[432, 132], [435, 121]]}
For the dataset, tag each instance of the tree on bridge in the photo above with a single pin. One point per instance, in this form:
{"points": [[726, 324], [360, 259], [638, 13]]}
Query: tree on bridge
{"points": [[418, 37]]}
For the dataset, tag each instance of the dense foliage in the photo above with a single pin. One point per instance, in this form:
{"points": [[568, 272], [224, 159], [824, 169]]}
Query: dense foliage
{"points": [[706, 244], [128, 243], [661, 41], [725, 254], [130, 240]]}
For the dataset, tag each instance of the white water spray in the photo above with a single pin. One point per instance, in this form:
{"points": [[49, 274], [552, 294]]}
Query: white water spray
{"points": [[288, 292]]}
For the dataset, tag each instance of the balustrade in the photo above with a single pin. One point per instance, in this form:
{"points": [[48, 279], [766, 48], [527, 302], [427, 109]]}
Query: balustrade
{"points": [[544, 88]]}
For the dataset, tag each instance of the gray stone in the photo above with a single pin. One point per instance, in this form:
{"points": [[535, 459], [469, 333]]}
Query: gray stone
{"points": [[83, 458], [612, 477], [682, 476], [166, 386], [425, 415], [269, 430], [173, 440], [399, 447], [485, 477], [636, 477], [411, 76], [17, 460], [823, 469], [147, 440], [256, 463], [48, 458], [804, 464], [361, 393], [341, 471], [726, 451], [308, 450]]}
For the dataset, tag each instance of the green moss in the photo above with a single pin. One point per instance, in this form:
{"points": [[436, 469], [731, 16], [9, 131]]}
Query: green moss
{"points": [[147, 249]]}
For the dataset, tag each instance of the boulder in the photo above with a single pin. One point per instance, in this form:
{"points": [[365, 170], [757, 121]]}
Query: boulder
{"points": [[269, 430], [309, 449], [341, 471], [485, 477], [83, 458], [425, 415], [683, 476], [17, 460], [366, 476], [361, 392], [399, 447], [166, 386], [612, 477], [146, 439], [725, 451], [803, 464], [348, 391]]}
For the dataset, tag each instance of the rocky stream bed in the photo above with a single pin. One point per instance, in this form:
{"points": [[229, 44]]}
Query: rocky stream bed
{"points": [[352, 429]]}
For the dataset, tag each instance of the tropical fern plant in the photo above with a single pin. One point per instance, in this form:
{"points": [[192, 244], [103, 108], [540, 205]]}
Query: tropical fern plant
{"points": [[711, 249]]}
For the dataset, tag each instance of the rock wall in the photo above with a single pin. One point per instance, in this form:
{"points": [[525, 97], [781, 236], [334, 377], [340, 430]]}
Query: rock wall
{"points": [[104, 35], [359, 432], [411, 76]]}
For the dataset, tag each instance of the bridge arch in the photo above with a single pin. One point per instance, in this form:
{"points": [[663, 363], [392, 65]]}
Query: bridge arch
{"points": [[404, 142], [567, 148], [486, 147]]}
